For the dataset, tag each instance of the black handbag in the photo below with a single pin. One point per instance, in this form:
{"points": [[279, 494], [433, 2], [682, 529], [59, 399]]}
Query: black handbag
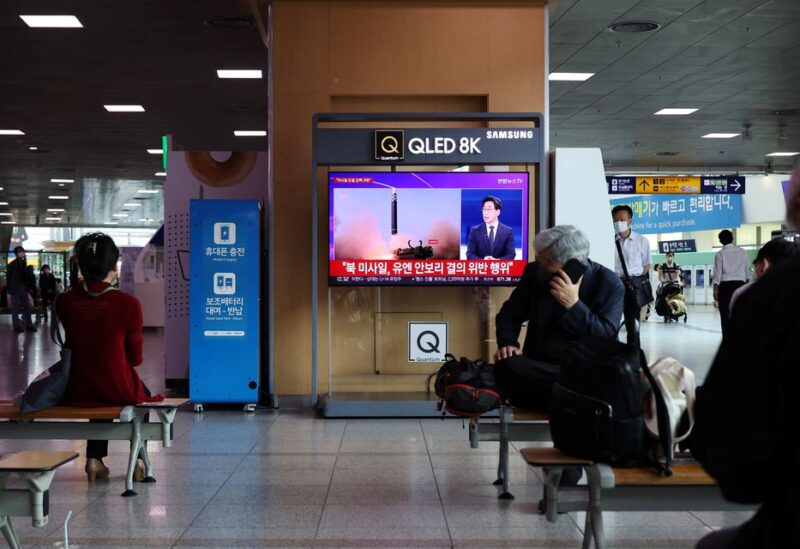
{"points": [[638, 288], [466, 388], [49, 387]]}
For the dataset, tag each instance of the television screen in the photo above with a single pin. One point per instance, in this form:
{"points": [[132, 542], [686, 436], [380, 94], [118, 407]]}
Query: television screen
{"points": [[427, 228]]}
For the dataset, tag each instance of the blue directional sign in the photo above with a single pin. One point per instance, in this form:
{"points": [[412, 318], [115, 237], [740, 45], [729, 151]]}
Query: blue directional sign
{"points": [[723, 185], [621, 185], [677, 246]]}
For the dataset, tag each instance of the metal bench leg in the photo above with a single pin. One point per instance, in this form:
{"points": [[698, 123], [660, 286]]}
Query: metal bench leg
{"points": [[502, 467], [595, 511], [587, 531], [552, 478], [148, 468], [474, 432], [136, 445], [9, 533]]}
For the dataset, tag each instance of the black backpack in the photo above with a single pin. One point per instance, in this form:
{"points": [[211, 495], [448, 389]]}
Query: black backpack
{"points": [[466, 388], [596, 409]]}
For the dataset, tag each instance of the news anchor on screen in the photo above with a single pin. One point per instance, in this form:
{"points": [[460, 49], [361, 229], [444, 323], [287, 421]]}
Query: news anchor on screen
{"points": [[491, 239]]}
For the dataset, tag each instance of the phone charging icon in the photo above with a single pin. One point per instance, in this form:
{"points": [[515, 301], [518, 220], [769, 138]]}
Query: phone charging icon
{"points": [[224, 283], [224, 233]]}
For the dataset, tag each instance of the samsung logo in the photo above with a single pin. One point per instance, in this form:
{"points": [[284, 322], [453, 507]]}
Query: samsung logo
{"points": [[509, 134]]}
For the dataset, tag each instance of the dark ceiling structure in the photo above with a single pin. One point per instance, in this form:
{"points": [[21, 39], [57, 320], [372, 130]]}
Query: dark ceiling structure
{"points": [[161, 54], [733, 60]]}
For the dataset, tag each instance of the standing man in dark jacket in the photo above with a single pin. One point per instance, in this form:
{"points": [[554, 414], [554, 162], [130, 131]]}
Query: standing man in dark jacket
{"points": [[18, 287], [747, 412], [557, 310], [47, 288]]}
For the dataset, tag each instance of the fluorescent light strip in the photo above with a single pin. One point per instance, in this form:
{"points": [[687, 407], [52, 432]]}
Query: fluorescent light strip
{"points": [[6, 214], [58, 197], [52, 219], [155, 151], [225, 73], [124, 108], [110, 223], [146, 220], [674, 112], [3, 203], [56, 180], [131, 205], [720, 135], [55, 210], [52, 21], [570, 76], [12, 132], [8, 222], [161, 174], [249, 133], [119, 215], [783, 154], [148, 191], [33, 148]]}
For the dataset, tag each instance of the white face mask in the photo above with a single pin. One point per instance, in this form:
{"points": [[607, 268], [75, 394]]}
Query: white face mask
{"points": [[621, 226]]}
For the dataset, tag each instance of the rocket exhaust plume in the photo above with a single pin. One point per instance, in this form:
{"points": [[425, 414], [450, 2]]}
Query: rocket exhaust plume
{"points": [[394, 212]]}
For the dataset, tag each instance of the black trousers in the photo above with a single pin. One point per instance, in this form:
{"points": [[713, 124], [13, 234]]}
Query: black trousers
{"points": [[726, 290], [98, 449], [526, 382]]}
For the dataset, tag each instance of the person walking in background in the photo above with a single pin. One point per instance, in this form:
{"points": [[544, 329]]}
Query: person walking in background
{"points": [[635, 249], [18, 288], [730, 273], [47, 288]]}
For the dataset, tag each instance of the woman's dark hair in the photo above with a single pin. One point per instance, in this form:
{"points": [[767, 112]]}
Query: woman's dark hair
{"points": [[776, 251], [97, 255], [725, 237]]}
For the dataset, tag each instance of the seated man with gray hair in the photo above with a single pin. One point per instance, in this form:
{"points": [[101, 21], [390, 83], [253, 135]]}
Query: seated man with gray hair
{"points": [[557, 311]]}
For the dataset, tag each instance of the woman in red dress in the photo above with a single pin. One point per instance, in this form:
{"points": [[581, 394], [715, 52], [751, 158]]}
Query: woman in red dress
{"points": [[103, 328]]}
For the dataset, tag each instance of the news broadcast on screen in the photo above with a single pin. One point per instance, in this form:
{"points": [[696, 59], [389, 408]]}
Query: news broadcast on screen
{"points": [[427, 228]]}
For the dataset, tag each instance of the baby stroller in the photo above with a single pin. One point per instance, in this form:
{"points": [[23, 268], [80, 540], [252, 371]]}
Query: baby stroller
{"points": [[670, 302]]}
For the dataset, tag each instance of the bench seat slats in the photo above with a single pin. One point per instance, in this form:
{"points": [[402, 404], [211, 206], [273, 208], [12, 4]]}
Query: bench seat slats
{"points": [[32, 460], [550, 456], [11, 411], [525, 414]]}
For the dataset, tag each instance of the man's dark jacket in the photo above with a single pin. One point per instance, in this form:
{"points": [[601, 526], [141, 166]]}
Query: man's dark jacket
{"points": [[597, 313], [747, 430], [17, 275]]}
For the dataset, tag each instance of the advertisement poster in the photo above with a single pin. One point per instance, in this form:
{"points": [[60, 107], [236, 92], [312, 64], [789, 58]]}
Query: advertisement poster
{"points": [[224, 300], [678, 213]]}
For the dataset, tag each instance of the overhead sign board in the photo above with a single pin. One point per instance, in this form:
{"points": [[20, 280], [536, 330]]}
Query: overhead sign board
{"points": [[428, 146], [676, 185], [677, 246]]}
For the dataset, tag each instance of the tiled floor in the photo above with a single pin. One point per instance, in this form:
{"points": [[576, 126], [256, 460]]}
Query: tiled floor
{"points": [[289, 479]]}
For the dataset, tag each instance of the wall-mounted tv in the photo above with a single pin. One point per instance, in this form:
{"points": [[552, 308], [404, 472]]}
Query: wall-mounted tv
{"points": [[427, 228]]}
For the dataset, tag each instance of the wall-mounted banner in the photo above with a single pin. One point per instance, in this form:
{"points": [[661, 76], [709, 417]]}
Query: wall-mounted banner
{"points": [[676, 185], [677, 246], [224, 300], [677, 213], [429, 146], [427, 341]]}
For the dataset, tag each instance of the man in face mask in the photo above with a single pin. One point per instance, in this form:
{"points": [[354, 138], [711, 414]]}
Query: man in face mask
{"points": [[563, 296], [18, 287], [747, 411], [635, 248]]}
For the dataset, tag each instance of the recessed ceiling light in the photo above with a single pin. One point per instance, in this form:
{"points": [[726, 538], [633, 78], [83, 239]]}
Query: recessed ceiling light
{"points": [[161, 174], [783, 154], [155, 151], [119, 215], [131, 205], [720, 135], [6, 214], [61, 185], [634, 26], [33, 148], [58, 197], [52, 21], [675, 111], [249, 133], [55, 210], [56, 180], [52, 219], [148, 191], [110, 223], [570, 76], [239, 74], [124, 108], [12, 132]]}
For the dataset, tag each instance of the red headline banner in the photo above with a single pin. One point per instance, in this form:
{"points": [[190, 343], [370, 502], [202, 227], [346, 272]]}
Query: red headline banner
{"points": [[426, 267]]}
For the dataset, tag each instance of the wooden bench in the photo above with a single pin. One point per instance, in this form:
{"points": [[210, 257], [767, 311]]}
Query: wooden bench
{"points": [[624, 489], [72, 423], [36, 469], [516, 424]]}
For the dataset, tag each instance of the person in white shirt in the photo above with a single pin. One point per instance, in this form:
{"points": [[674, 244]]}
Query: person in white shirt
{"points": [[635, 248], [731, 269]]}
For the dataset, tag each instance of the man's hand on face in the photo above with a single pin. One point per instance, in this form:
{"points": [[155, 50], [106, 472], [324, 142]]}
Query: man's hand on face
{"points": [[506, 352], [564, 291]]}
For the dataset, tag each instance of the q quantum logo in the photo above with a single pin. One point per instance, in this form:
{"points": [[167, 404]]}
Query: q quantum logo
{"points": [[389, 145]]}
